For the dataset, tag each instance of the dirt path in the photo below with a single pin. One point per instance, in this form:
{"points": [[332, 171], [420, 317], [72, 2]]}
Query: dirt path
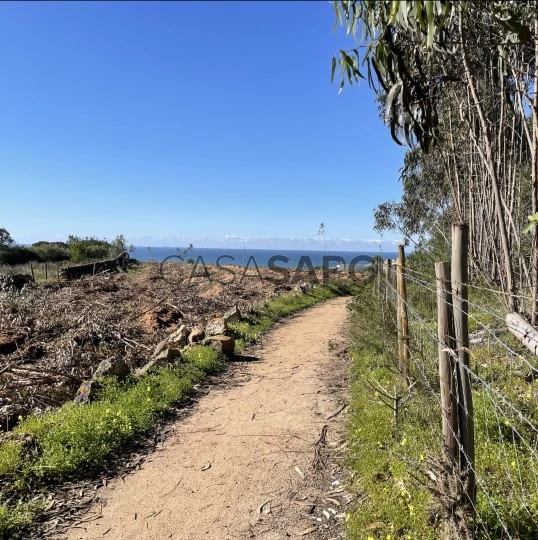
{"points": [[245, 463]]}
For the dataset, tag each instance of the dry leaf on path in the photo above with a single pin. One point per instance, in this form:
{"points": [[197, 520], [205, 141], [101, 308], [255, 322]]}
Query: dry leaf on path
{"points": [[206, 466], [300, 472], [265, 508]]}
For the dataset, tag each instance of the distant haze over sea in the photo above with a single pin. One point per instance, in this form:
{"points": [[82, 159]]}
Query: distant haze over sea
{"points": [[240, 257]]}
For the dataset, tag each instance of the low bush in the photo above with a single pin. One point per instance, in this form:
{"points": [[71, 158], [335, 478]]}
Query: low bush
{"points": [[17, 255]]}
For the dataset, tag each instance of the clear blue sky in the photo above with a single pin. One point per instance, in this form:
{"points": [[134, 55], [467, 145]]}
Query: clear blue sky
{"points": [[184, 120]]}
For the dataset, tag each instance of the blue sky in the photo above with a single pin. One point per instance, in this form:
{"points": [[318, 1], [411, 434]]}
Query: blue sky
{"points": [[206, 122]]}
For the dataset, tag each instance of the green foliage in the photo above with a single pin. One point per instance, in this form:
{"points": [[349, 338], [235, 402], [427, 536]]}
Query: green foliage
{"points": [[504, 441], [5, 238], [10, 453], [425, 207], [412, 53], [51, 251], [118, 245], [89, 249], [205, 359], [386, 454], [14, 519], [532, 222], [76, 249], [17, 255], [77, 439]]}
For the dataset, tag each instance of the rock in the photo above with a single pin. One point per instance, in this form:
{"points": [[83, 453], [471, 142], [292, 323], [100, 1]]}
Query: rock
{"points": [[168, 356], [86, 391], [222, 344], [216, 327], [303, 287], [196, 335], [160, 346], [114, 366], [232, 315], [179, 337]]}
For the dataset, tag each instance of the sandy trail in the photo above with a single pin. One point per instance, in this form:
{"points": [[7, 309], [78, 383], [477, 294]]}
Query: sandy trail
{"points": [[228, 471]]}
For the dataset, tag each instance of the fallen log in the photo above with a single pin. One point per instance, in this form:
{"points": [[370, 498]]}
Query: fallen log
{"points": [[523, 331], [108, 265]]}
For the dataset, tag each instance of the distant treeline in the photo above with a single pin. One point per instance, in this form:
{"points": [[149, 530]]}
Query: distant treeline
{"points": [[77, 249]]}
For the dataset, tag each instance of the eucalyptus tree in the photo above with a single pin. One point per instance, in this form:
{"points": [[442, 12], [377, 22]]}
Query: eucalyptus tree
{"points": [[459, 79]]}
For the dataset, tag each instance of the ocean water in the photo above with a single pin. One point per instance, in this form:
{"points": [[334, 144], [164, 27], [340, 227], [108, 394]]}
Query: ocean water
{"points": [[262, 257]]}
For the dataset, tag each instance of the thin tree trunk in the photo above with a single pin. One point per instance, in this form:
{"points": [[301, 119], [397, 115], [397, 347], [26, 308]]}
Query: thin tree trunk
{"points": [[490, 165]]}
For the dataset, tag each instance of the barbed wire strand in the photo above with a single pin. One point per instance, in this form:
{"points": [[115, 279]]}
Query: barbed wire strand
{"points": [[496, 409]]}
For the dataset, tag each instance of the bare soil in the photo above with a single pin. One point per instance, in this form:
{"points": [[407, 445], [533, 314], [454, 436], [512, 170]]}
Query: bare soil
{"points": [[260, 458]]}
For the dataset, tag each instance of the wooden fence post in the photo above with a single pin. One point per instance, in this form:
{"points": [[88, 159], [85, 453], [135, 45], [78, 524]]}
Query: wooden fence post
{"points": [[445, 334], [46, 272], [32, 271], [460, 246], [378, 279], [388, 275], [403, 325]]}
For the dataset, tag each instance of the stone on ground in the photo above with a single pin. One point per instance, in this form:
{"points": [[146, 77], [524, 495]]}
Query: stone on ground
{"points": [[216, 327], [179, 337], [232, 315], [114, 366], [196, 335], [222, 344]]}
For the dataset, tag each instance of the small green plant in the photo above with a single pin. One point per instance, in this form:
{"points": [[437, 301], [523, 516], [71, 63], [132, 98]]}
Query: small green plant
{"points": [[16, 518], [205, 359], [385, 454]]}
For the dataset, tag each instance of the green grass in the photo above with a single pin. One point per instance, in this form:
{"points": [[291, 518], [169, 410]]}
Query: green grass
{"points": [[15, 519], [385, 452], [252, 327], [387, 457], [75, 440]]}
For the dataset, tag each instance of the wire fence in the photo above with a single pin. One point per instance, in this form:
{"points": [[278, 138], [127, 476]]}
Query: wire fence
{"points": [[40, 271], [502, 460]]}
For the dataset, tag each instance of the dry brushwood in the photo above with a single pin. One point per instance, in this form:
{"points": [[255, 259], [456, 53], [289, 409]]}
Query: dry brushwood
{"points": [[53, 336]]}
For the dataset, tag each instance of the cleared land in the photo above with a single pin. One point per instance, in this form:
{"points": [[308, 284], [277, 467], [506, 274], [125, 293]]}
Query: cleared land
{"points": [[54, 335]]}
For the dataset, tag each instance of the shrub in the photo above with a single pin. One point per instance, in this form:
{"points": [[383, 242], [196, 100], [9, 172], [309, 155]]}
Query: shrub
{"points": [[17, 255], [51, 251], [204, 358]]}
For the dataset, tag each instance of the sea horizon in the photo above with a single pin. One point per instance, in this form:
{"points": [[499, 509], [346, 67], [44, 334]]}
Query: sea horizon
{"points": [[241, 256]]}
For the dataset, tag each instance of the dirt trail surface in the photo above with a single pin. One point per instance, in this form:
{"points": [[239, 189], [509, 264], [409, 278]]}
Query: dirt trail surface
{"points": [[258, 459]]}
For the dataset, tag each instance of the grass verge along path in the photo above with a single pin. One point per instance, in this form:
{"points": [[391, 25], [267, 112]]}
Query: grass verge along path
{"points": [[75, 441]]}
